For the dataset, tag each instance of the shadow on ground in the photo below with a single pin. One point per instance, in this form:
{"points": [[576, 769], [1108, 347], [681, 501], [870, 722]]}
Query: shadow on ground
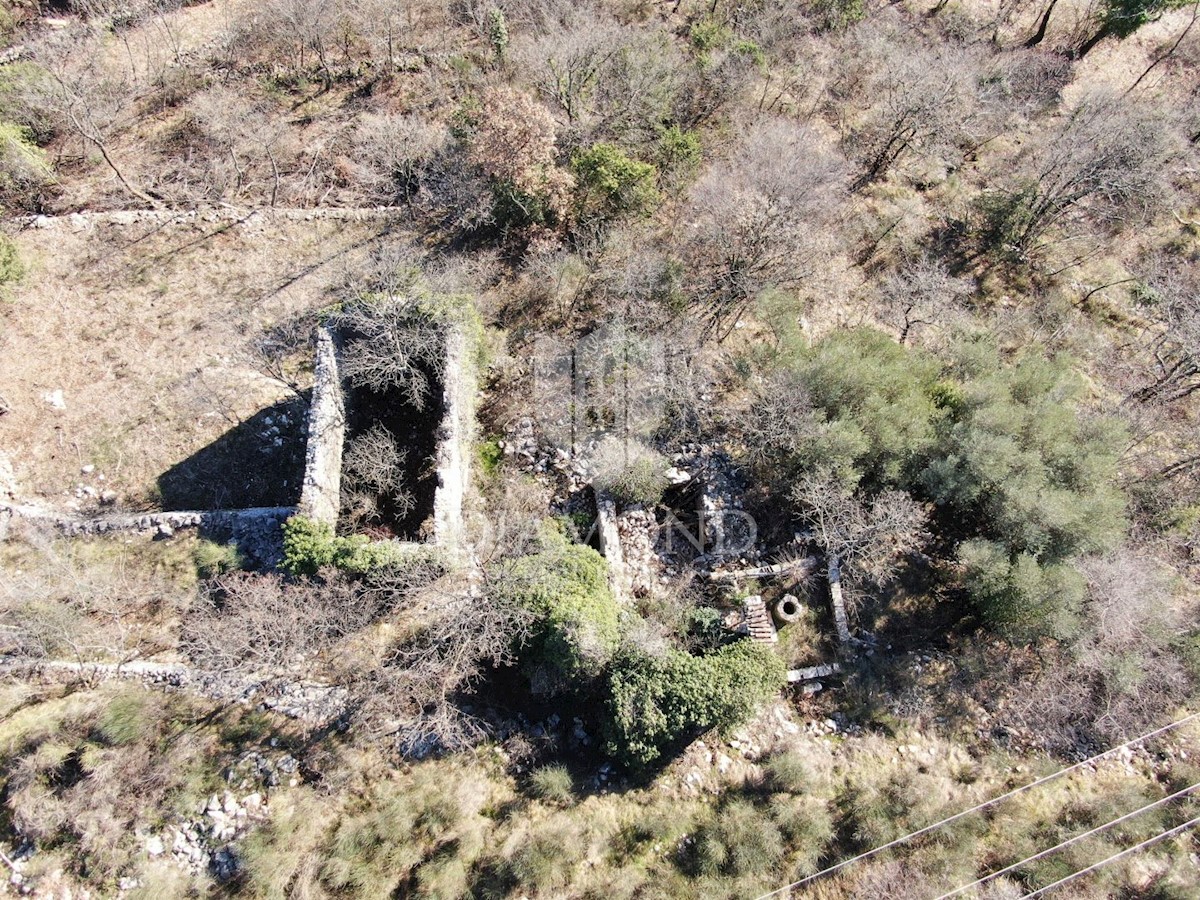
{"points": [[258, 463]]}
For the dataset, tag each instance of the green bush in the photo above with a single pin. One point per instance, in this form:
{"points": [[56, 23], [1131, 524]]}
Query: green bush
{"points": [[611, 184], [553, 784], [787, 772], [873, 403], [490, 456], [639, 482], [838, 15], [310, 546], [565, 586], [1018, 464], [656, 702], [708, 34], [1020, 595], [23, 166], [546, 862], [12, 269], [678, 151], [126, 720]]}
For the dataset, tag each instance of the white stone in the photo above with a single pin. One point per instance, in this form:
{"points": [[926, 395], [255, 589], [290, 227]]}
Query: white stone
{"points": [[154, 846], [55, 399]]}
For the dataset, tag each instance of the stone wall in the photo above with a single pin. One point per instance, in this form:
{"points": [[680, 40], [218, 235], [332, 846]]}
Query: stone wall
{"points": [[320, 497], [610, 546], [454, 442]]}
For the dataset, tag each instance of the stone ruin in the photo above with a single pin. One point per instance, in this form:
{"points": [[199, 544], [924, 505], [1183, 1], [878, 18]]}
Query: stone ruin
{"points": [[257, 529], [320, 497]]}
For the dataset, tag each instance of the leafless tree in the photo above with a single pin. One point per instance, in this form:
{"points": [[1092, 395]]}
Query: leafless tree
{"points": [[760, 218], [568, 60], [392, 154], [92, 101], [781, 422], [922, 101], [1108, 162], [303, 29], [920, 292], [415, 693], [391, 346], [227, 147], [638, 90], [247, 623], [373, 469], [1172, 298], [860, 537]]}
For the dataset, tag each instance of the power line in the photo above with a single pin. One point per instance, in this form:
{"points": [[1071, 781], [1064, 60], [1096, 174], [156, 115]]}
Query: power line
{"points": [[837, 867], [1178, 829], [1067, 843]]}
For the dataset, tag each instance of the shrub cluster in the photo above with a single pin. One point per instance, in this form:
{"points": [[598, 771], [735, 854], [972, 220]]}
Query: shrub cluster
{"points": [[656, 702], [310, 546], [565, 586]]}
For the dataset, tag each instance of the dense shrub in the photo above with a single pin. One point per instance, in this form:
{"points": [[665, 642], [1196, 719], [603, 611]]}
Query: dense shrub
{"points": [[372, 850], [609, 183], [565, 586], [655, 702], [309, 546], [1031, 481], [213, 559]]}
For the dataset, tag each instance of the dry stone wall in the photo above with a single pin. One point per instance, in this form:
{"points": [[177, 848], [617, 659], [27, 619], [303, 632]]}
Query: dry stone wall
{"points": [[320, 497], [454, 442]]}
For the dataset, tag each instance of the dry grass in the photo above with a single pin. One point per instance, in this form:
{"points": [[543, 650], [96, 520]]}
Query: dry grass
{"points": [[150, 333]]}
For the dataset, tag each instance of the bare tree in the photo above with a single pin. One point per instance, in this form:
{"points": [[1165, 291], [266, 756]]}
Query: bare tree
{"points": [[860, 537], [303, 29], [568, 60], [1107, 162], [761, 218], [922, 101], [782, 422], [91, 101], [414, 693], [1171, 296], [373, 472], [391, 346], [920, 292], [393, 154], [247, 623]]}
